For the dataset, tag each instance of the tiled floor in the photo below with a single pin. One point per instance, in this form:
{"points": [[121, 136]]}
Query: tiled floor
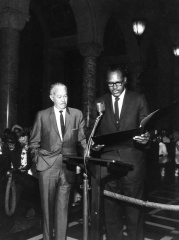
{"points": [[159, 224]]}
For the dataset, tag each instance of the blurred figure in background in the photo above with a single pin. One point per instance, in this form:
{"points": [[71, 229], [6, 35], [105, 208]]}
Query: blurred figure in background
{"points": [[164, 135], [6, 132], [18, 130], [28, 194], [163, 155], [176, 141]]}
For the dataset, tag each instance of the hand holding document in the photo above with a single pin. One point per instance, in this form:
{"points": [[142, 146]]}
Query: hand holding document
{"points": [[97, 147], [139, 134], [143, 138]]}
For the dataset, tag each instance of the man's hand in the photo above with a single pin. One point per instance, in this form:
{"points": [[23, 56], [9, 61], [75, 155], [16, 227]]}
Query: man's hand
{"points": [[143, 138], [97, 147]]}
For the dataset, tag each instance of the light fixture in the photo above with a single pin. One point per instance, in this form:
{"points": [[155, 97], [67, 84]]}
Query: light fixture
{"points": [[176, 42], [139, 27], [174, 31], [176, 51], [139, 23]]}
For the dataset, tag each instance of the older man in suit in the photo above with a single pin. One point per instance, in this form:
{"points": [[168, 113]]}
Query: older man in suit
{"points": [[56, 132], [124, 110]]}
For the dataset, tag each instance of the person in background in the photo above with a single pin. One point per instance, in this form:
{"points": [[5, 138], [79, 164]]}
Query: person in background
{"points": [[30, 183], [18, 130], [19, 160], [163, 155], [177, 159], [26, 161], [124, 110], [165, 138], [175, 139], [57, 131], [6, 132], [5, 163]]}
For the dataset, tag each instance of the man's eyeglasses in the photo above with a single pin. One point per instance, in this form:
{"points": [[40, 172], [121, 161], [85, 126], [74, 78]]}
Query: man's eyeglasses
{"points": [[117, 84]]}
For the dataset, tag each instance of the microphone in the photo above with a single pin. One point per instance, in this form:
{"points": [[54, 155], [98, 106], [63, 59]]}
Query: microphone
{"points": [[100, 107]]}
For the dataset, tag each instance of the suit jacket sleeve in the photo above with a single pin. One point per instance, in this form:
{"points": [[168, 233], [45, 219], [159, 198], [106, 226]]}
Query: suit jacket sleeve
{"points": [[35, 138], [81, 135]]}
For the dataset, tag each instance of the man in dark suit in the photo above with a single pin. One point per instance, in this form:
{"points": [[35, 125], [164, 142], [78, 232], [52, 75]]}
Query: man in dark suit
{"points": [[124, 110], [56, 132]]}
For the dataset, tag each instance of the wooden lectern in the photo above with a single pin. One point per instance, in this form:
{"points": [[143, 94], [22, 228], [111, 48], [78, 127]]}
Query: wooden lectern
{"points": [[96, 189]]}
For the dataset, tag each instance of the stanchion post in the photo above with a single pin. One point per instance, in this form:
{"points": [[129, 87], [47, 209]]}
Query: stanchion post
{"points": [[85, 207], [101, 109], [96, 216]]}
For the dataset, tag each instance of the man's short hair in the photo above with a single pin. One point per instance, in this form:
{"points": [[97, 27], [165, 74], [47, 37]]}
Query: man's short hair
{"points": [[117, 67], [56, 84]]}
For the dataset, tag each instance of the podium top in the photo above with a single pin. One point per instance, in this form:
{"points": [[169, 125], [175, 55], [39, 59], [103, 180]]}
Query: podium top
{"points": [[73, 157]]}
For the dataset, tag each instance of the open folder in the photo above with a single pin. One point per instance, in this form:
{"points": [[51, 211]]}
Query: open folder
{"points": [[145, 125]]}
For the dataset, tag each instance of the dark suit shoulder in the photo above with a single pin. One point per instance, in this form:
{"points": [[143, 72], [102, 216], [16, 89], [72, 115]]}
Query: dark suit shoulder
{"points": [[134, 94], [137, 97]]}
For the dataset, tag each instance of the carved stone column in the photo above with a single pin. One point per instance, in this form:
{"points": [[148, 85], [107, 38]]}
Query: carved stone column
{"points": [[11, 23], [90, 52]]}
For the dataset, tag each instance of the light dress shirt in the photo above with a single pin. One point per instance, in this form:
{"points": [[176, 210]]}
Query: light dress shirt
{"points": [[57, 115], [120, 102]]}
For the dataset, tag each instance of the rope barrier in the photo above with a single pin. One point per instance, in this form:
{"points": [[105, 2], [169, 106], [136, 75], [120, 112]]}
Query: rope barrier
{"points": [[10, 196], [141, 202]]}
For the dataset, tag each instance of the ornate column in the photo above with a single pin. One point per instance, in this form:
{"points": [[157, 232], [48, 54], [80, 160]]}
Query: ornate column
{"points": [[90, 52], [12, 21]]}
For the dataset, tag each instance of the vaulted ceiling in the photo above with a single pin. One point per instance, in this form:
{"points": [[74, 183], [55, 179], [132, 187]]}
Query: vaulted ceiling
{"points": [[66, 17]]}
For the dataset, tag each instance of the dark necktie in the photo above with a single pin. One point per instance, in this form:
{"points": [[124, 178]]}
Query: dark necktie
{"points": [[62, 123], [116, 111]]}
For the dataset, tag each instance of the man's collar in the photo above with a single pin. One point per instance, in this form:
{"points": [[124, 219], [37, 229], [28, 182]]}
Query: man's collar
{"points": [[57, 110], [122, 94]]}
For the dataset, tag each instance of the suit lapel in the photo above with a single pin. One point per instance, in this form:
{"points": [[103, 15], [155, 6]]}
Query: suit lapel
{"points": [[126, 103], [54, 122], [109, 107], [67, 119]]}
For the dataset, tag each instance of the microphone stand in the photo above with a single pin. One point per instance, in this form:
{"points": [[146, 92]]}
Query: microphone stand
{"points": [[85, 181], [87, 153]]}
